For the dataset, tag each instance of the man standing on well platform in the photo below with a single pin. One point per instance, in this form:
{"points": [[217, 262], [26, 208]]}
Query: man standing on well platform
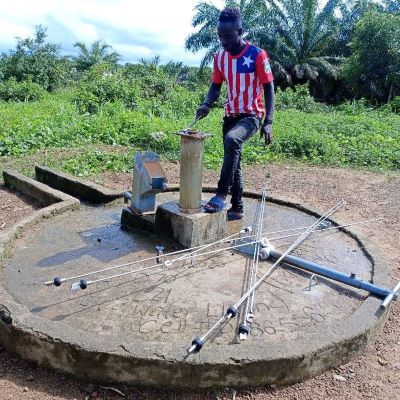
{"points": [[247, 73]]}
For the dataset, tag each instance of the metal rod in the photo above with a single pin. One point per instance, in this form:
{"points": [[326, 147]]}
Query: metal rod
{"points": [[61, 280], [247, 314], [231, 312], [322, 229], [327, 229], [191, 125], [77, 285], [170, 262], [206, 246], [259, 237], [49, 283]]}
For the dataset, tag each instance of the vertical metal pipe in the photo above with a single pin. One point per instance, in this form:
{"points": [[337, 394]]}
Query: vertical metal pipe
{"points": [[191, 170]]}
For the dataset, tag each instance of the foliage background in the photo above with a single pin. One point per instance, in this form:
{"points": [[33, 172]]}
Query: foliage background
{"points": [[106, 111]]}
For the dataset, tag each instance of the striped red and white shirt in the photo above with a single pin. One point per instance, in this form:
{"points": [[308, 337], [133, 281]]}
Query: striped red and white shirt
{"points": [[244, 75]]}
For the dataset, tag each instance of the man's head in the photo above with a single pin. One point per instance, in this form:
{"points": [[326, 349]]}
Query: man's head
{"points": [[230, 29]]}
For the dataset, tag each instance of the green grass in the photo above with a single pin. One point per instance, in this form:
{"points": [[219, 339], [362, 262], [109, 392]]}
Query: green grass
{"points": [[107, 139]]}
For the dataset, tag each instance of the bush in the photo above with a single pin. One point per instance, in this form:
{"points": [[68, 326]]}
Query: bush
{"points": [[355, 107], [11, 90], [298, 98], [372, 70], [395, 105], [148, 90], [37, 60], [100, 86]]}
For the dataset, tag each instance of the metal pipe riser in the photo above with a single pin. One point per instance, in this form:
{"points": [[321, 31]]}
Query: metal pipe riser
{"points": [[332, 274]]}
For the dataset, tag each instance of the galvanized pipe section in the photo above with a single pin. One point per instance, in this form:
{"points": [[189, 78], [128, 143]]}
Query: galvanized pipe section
{"points": [[391, 296], [191, 170], [331, 274]]}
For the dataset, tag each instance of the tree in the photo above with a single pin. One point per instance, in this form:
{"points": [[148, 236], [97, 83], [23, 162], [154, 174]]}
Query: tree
{"points": [[99, 52], [301, 39], [206, 17], [373, 68], [295, 33], [350, 12], [392, 6], [36, 60]]}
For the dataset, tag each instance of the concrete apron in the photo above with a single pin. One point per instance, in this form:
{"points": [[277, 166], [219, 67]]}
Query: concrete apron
{"points": [[136, 329]]}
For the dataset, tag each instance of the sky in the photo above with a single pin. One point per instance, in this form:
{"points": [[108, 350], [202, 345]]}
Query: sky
{"points": [[134, 28]]}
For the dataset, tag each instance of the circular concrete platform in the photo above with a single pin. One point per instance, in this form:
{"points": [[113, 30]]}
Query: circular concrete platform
{"points": [[137, 328]]}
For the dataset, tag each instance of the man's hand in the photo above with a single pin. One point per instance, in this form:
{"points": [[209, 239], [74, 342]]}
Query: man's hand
{"points": [[266, 131], [202, 111]]}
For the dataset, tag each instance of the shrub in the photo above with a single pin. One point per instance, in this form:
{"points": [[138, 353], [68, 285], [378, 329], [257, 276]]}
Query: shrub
{"points": [[100, 86], [298, 98], [372, 69], [354, 107], [38, 60], [146, 89], [395, 105], [11, 90]]}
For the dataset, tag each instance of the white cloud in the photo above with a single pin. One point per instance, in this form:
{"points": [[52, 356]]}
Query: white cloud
{"points": [[135, 28]]}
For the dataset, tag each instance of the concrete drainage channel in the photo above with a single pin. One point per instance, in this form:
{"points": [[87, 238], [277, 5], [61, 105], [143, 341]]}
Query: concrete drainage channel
{"points": [[137, 329]]}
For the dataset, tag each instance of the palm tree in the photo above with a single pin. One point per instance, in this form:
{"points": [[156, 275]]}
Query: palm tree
{"points": [[206, 16], [303, 34], [296, 34], [98, 52]]}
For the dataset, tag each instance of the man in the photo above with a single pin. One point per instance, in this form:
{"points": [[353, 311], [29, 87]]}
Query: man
{"points": [[247, 73]]}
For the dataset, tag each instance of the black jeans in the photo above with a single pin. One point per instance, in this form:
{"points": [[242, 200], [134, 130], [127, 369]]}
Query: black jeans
{"points": [[236, 130]]}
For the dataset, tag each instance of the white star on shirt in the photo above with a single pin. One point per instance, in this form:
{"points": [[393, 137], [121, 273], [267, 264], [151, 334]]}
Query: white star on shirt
{"points": [[247, 61]]}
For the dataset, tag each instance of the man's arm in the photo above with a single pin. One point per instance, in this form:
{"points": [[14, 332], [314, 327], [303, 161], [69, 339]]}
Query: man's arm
{"points": [[213, 93], [269, 98]]}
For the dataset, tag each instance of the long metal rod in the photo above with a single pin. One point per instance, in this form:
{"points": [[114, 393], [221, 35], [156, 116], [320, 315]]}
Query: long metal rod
{"points": [[61, 280], [248, 312], [366, 221], [76, 285], [85, 284], [205, 247], [168, 263], [198, 342], [322, 229], [259, 237], [227, 239]]}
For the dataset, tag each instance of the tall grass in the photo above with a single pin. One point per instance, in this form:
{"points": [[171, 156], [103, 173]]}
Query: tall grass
{"points": [[349, 135]]}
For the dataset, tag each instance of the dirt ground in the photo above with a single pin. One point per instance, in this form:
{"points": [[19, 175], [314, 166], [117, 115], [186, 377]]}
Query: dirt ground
{"points": [[373, 375]]}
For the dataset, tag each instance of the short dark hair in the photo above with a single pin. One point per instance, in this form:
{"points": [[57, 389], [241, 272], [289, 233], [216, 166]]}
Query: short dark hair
{"points": [[230, 15]]}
